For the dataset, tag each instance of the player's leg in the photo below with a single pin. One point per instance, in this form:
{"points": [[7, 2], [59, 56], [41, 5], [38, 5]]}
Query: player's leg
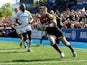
{"points": [[21, 42], [57, 41], [42, 39], [55, 46], [25, 39], [18, 31], [65, 42], [29, 39], [58, 33], [26, 35]]}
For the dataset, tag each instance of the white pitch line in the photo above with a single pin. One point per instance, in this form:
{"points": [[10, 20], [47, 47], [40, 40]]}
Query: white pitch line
{"points": [[12, 50], [42, 62]]}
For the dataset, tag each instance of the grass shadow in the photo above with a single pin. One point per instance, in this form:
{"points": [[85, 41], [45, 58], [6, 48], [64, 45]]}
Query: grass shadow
{"points": [[36, 60]]}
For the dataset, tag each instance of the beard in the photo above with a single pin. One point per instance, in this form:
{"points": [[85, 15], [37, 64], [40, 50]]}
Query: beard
{"points": [[23, 10]]}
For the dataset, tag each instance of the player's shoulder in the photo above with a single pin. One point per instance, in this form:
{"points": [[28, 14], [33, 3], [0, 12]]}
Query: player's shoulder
{"points": [[50, 15], [28, 12], [19, 12]]}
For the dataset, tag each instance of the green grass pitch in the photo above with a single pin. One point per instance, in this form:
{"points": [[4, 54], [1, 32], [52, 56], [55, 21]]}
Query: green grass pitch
{"points": [[12, 54]]}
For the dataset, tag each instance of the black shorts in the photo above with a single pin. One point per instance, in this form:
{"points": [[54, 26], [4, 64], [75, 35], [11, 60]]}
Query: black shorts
{"points": [[54, 31], [28, 32]]}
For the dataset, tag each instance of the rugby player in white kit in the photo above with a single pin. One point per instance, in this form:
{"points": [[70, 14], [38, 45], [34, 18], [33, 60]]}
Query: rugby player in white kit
{"points": [[16, 26], [24, 19]]}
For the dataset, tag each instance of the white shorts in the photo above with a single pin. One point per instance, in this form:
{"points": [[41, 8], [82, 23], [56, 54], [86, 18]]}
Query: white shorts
{"points": [[26, 28], [19, 31]]}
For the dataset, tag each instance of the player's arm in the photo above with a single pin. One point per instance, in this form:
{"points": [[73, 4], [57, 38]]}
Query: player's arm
{"points": [[17, 21], [52, 20], [30, 19], [14, 20], [17, 18]]}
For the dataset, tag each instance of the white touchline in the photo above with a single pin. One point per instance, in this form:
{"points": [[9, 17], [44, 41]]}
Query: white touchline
{"points": [[42, 62], [11, 50]]}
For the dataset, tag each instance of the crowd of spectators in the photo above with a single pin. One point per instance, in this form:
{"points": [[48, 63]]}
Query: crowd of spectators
{"points": [[6, 22], [69, 19], [6, 29]]}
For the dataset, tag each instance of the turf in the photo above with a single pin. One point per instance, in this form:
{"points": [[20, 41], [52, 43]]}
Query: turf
{"points": [[12, 54]]}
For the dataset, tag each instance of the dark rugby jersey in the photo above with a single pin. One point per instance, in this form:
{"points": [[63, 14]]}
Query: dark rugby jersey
{"points": [[45, 19], [51, 30]]}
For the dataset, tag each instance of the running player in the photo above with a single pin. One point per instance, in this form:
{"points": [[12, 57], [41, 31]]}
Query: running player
{"points": [[49, 25], [59, 24], [16, 26], [24, 19]]}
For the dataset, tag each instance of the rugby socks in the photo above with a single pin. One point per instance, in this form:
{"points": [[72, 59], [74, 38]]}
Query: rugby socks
{"points": [[28, 44], [25, 44], [72, 50], [57, 48], [70, 47], [21, 42]]}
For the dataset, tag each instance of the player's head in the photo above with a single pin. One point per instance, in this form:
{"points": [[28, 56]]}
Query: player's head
{"points": [[22, 7], [16, 10], [43, 10]]}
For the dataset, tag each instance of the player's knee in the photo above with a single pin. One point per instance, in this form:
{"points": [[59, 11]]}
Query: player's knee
{"points": [[52, 41], [67, 44]]}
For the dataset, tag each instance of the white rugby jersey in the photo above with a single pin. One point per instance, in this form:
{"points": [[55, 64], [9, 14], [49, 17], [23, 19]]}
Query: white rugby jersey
{"points": [[24, 17], [14, 17]]}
